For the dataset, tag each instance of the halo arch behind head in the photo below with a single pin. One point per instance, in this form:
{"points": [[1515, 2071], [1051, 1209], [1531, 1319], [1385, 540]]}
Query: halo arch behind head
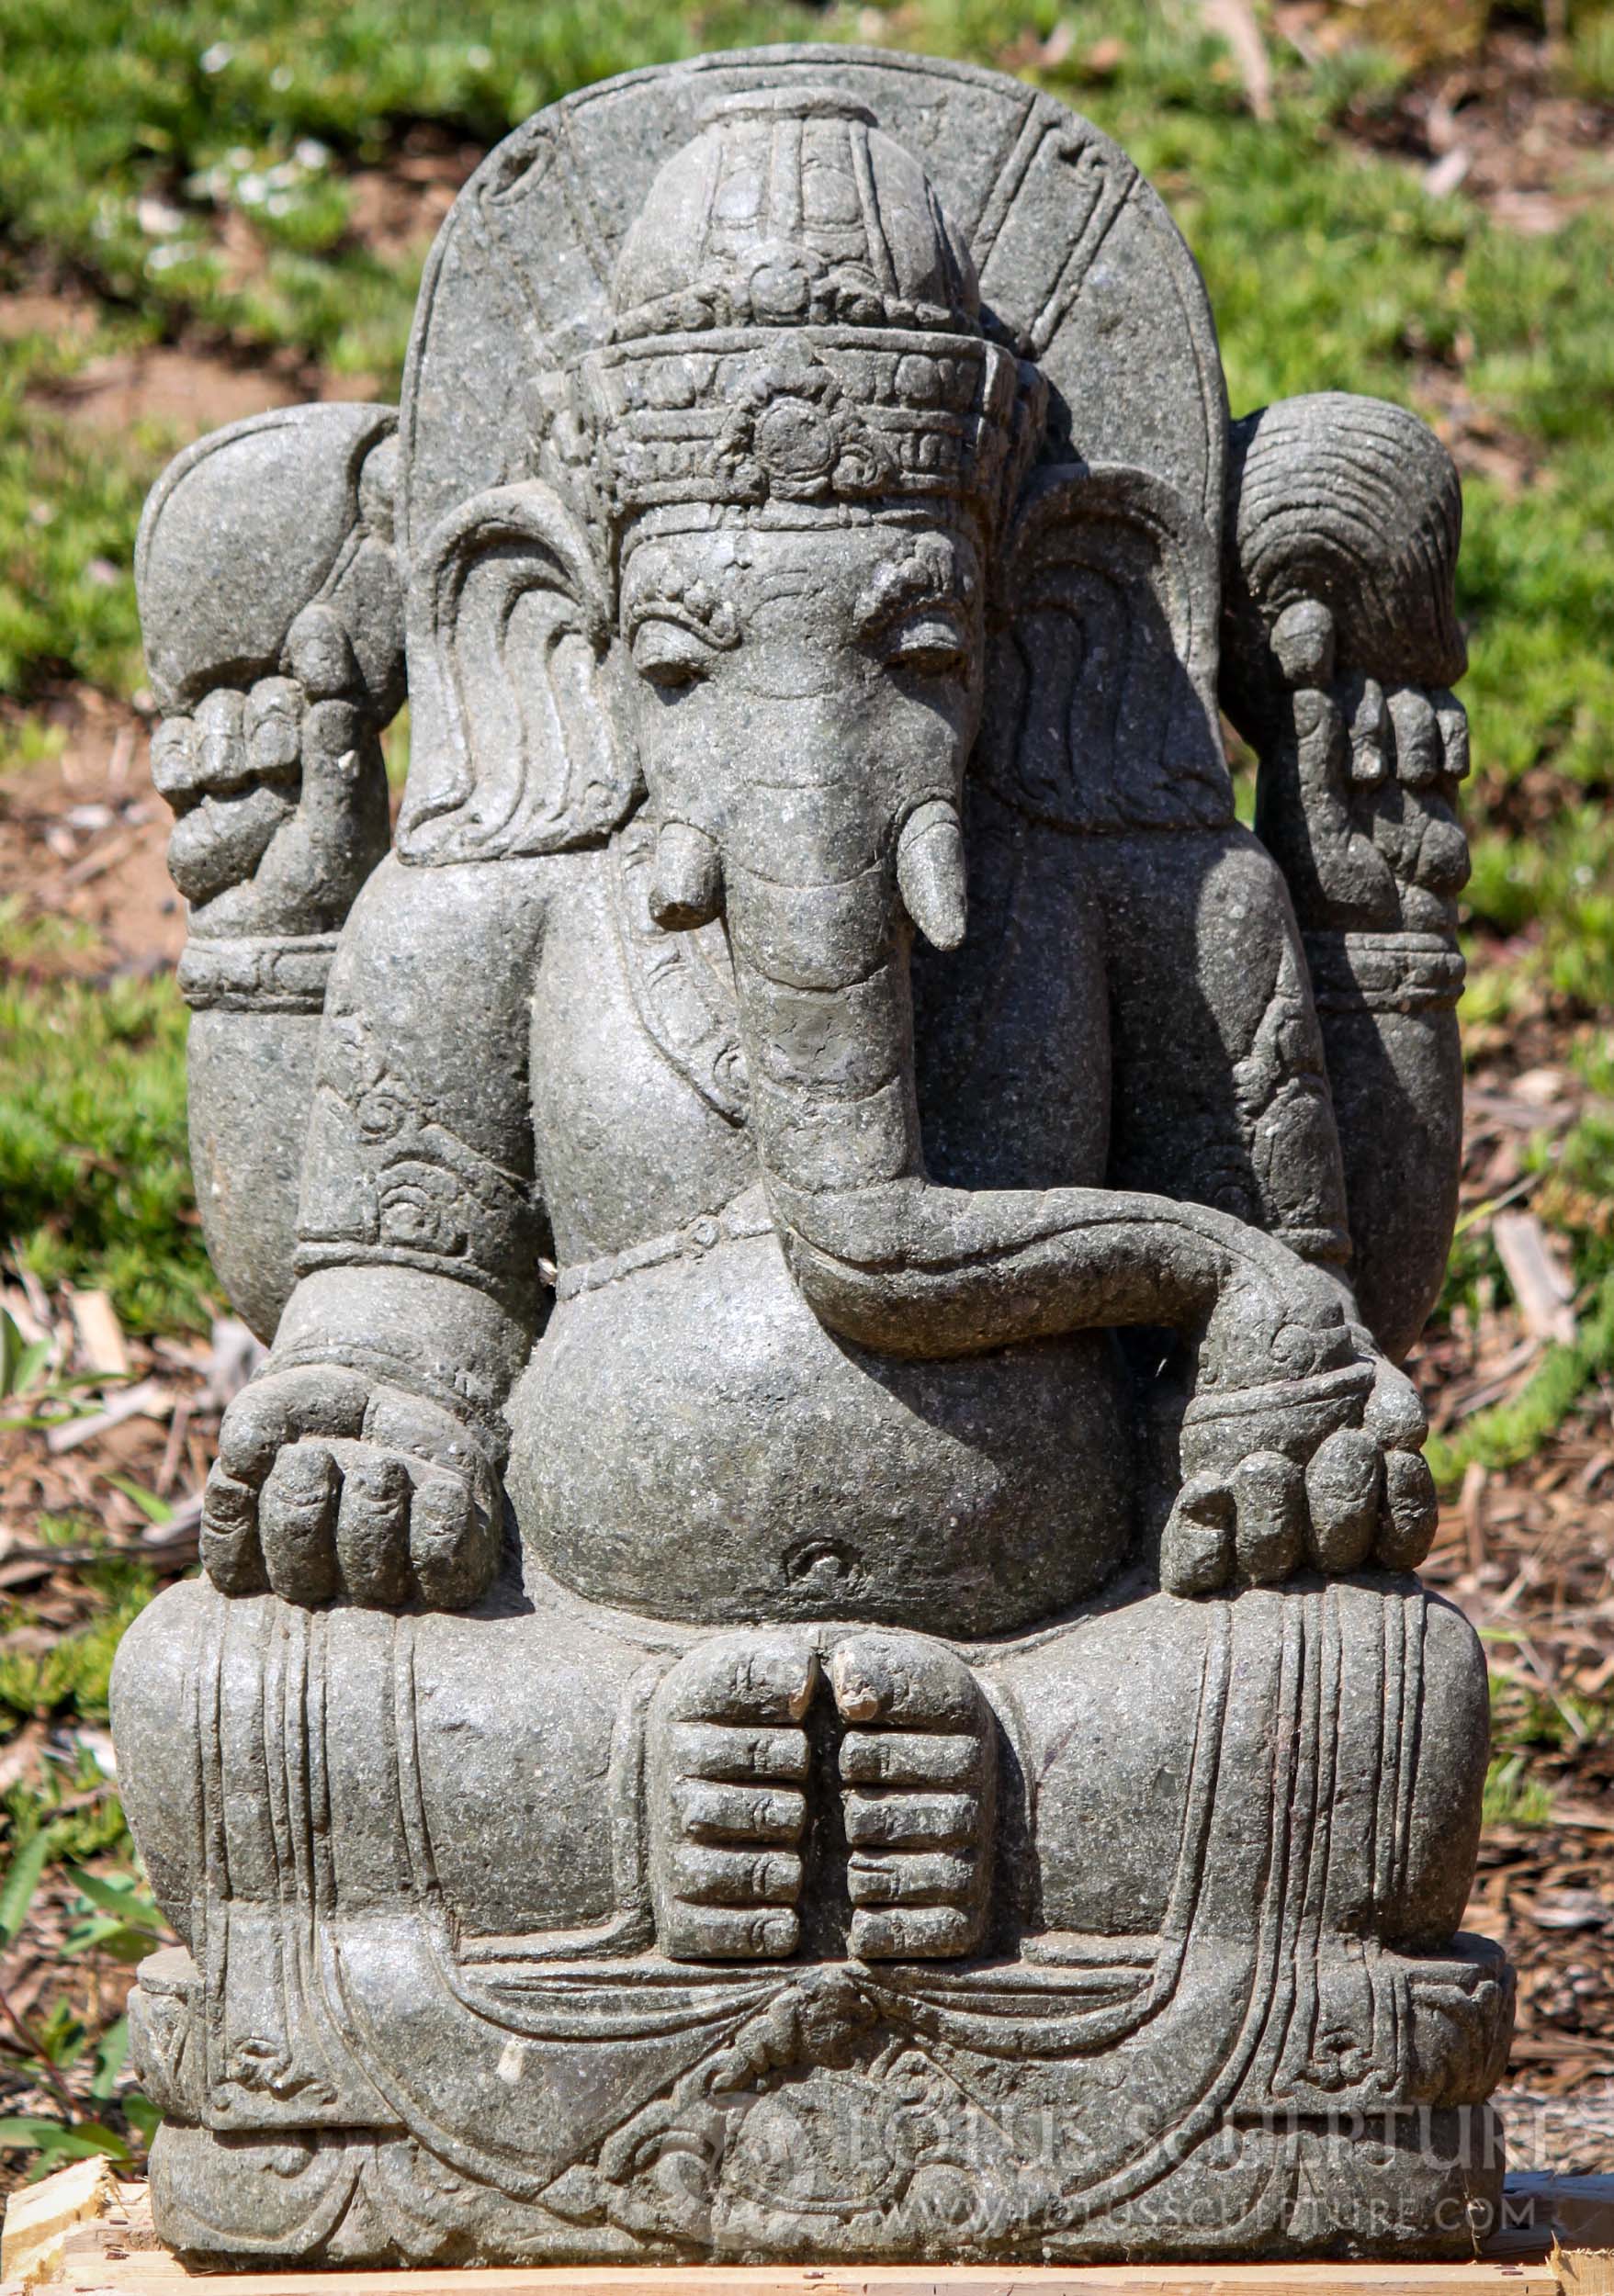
{"points": [[1078, 265]]}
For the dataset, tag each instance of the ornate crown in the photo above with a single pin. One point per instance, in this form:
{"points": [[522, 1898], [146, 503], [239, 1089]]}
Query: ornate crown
{"points": [[798, 321]]}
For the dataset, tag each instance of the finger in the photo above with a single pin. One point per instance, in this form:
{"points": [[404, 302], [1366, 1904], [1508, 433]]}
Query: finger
{"points": [[1395, 1415], [1343, 1486], [1268, 1498], [1369, 725], [372, 1530], [902, 1679], [1452, 720], [221, 720], [732, 1813], [924, 1879], [911, 1821], [911, 1758], [1406, 1528], [1420, 759], [297, 1521], [220, 841], [916, 1933], [335, 755], [318, 653], [1196, 1547], [764, 1680], [316, 1399], [454, 1542], [709, 1876], [177, 761], [228, 1540], [274, 710], [693, 1933], [397, 1421], [718, 1750]]}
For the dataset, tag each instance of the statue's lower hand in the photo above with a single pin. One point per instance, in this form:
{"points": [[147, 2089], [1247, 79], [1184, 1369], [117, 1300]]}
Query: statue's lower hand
{"points": [[1317, 1466], [327, 1484]]}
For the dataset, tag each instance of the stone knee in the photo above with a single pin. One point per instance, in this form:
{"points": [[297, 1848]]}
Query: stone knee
{"points": [[477, 1758], [1126, 1723], [1448, 1779], [153, 1699]]}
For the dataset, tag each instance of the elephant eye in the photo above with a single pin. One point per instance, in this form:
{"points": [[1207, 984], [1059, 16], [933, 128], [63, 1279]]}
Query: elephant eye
{"points": [[933, 643], [670, 656]]}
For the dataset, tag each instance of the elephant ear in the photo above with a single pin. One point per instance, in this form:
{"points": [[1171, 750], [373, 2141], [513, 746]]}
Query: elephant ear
{"points": [[1101, 709], [513, 747]]}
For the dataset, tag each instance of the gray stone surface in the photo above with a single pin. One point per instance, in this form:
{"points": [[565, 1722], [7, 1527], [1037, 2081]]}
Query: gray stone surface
{"points": [[808, 1646]]}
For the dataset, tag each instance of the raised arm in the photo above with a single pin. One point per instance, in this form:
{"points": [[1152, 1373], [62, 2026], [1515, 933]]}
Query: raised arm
{"points": [[275, 639], [1341, 645]]}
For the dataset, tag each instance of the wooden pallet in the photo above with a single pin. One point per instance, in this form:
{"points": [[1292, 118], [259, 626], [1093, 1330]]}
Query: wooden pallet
{"points": [[82, 2231]]}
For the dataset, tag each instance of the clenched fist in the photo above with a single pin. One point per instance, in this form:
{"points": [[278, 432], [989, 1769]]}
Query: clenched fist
{"points": [[327, 1484], [279, 791], [1301, 1447]]}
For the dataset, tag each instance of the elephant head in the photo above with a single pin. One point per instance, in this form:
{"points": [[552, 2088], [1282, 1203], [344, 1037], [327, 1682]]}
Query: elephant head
{"points": [[801, 577]]}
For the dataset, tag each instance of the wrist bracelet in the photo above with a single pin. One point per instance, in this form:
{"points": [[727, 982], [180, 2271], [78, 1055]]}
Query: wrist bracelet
{"points": [[260, 975], [1404, 973]]}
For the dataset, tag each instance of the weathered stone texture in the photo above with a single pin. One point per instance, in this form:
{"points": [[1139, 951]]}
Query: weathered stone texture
{"points": [[808, 1646]]}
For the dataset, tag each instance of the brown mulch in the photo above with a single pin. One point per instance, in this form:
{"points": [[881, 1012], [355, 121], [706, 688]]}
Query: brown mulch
{"points": [[1498, 124], [83, 835]]}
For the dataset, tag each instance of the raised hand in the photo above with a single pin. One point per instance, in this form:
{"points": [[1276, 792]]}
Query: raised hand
{"points": [[279, 791], [327, 1484], [1356, 791]]}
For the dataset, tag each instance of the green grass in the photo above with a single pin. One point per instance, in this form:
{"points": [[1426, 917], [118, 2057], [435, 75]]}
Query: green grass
{"points": [[93, 1172], [69, 1676]]}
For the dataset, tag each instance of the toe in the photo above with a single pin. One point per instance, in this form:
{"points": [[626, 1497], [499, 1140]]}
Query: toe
{"points": [[913, 1758], [729, 1754], [705, 1873], [906, 1680], [913, 1934], [735, 1813], [934, 1877], [911, 1821]]}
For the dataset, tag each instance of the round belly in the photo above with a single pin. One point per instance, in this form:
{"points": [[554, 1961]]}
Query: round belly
{"points": [[690, 1443]]}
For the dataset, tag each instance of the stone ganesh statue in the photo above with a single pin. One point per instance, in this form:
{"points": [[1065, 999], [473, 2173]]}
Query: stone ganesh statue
{"points": [[808, 1646]]}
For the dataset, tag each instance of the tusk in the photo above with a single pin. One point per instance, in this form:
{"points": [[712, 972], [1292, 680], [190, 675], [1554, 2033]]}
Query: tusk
{"points": [[688, 883], [931, 874]]}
